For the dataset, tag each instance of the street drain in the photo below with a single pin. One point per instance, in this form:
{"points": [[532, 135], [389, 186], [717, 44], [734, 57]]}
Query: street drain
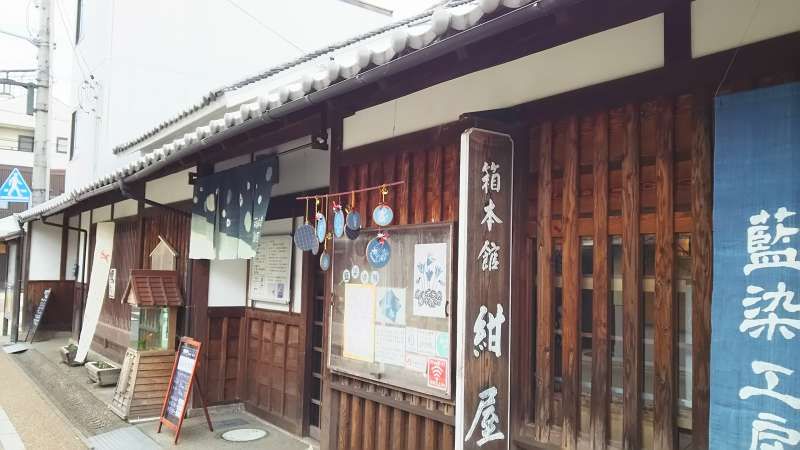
{"points": [[244, 435]]}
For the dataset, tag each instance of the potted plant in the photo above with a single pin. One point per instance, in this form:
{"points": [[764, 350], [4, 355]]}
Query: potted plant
{"points": [[68, 354], [102, 373]]}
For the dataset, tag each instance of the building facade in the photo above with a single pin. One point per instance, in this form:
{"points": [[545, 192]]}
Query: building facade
{"points": [[577, 315]]}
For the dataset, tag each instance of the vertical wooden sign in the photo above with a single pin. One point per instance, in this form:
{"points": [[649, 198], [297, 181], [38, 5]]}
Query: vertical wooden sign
{"points": [[484, 290]]}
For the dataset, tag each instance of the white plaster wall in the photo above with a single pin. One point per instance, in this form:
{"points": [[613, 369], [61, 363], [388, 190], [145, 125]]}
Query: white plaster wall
{"points": [[45, 257], [719, 25], [611, 54], [171, 188], [125, 208], [102, 214], [227, 283]]}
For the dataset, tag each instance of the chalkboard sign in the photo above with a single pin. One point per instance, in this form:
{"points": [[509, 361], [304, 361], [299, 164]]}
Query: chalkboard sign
{"points": [[181, 382], [37, 317]]}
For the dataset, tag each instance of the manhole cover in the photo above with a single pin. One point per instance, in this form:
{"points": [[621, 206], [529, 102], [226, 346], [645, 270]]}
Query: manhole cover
{"points": [[244, 435]]}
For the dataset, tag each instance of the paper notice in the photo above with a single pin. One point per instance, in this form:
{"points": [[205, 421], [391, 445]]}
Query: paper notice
{"points": [[390, 345], [359, 326]]}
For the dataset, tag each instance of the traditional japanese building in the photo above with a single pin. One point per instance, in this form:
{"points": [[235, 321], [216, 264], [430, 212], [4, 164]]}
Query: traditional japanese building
{"points": [[552, 169]]}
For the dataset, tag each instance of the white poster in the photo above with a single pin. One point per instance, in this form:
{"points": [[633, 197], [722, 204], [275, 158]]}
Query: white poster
{"points": [[390, 345], [359, 322], [392, 305], [430, 280], [101, 264], [271, 270]]}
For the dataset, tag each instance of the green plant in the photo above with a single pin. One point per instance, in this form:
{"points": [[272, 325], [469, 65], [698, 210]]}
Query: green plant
{"points": [[103, 365], [72, 348]]}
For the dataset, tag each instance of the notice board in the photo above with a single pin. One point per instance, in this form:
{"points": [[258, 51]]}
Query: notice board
{"points": [[393, 325]]}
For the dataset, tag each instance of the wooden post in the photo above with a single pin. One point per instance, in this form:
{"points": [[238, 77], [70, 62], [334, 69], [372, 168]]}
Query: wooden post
{"points": [[665, 389], [601, 357], [544, 288], [701, 269], [571, 323], [631, 285]]}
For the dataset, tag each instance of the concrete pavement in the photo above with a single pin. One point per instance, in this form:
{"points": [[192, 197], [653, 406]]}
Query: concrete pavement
{"points": [[37, 422]]}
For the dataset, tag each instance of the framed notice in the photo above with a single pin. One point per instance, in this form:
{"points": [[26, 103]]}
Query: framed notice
{"points": [[393, 324], [271, 270]]}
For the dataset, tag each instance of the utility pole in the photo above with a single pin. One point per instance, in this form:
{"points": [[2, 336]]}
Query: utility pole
{"points": [[39, 179]]}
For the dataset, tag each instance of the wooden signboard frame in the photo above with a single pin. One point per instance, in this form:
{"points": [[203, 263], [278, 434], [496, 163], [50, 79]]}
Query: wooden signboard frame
{"points": [[38, 315], [485, 256], [164, 418]]}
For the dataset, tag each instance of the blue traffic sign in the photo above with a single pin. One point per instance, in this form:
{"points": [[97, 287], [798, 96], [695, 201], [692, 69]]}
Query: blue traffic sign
{"points": [[15, 189]]}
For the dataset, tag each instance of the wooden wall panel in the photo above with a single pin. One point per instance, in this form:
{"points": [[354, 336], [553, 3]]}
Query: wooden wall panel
{"points": [[173, 227], [368, 415], [58, 314]]}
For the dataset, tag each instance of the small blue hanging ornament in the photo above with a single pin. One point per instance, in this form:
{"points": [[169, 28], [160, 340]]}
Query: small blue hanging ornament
{"points": [[325, 257], [383, 215], [322, 224], [304, 237], [338, 220], [353, 220], [379, 252]]}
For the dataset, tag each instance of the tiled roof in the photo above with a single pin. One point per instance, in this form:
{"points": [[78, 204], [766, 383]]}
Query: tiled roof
{"points": [[322, 69], [153, 288]]}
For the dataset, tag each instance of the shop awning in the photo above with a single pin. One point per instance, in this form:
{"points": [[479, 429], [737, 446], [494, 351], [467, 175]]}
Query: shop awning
{"points": [[9, 228]]}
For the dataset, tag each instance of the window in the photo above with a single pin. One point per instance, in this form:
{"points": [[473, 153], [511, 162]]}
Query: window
{"points": [[78, 21], [25, 143], [61, 145], [73, 122]]}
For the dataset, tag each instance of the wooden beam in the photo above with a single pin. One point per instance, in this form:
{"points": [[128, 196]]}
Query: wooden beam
{"points": [[571, 323], [665, 388], [678, 32], [601, 357], [701, 268], [631, 285], [544, 288]]}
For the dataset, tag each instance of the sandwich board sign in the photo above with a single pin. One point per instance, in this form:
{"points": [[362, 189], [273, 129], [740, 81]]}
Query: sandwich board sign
{"points": [[15, 189]]}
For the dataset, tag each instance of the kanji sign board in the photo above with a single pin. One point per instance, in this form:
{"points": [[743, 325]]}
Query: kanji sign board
{"points": [[484, 290]]}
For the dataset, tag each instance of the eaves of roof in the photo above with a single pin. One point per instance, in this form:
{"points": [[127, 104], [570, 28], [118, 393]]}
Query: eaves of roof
{"points": [[392, 52]]}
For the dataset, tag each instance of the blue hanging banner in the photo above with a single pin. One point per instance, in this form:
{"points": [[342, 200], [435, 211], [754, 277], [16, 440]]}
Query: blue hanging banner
{"points": [[755, 311]]}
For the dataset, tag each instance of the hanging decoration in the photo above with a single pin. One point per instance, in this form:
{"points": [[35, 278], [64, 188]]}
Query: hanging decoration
{"points": [[338, 220], [383, 215], [379, 252], [321, 222], [325, 257], [304, 237], [353, 216], [345, 221]]}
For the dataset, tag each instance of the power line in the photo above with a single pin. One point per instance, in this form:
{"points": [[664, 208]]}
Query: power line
{"points": [[266, 27]]}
